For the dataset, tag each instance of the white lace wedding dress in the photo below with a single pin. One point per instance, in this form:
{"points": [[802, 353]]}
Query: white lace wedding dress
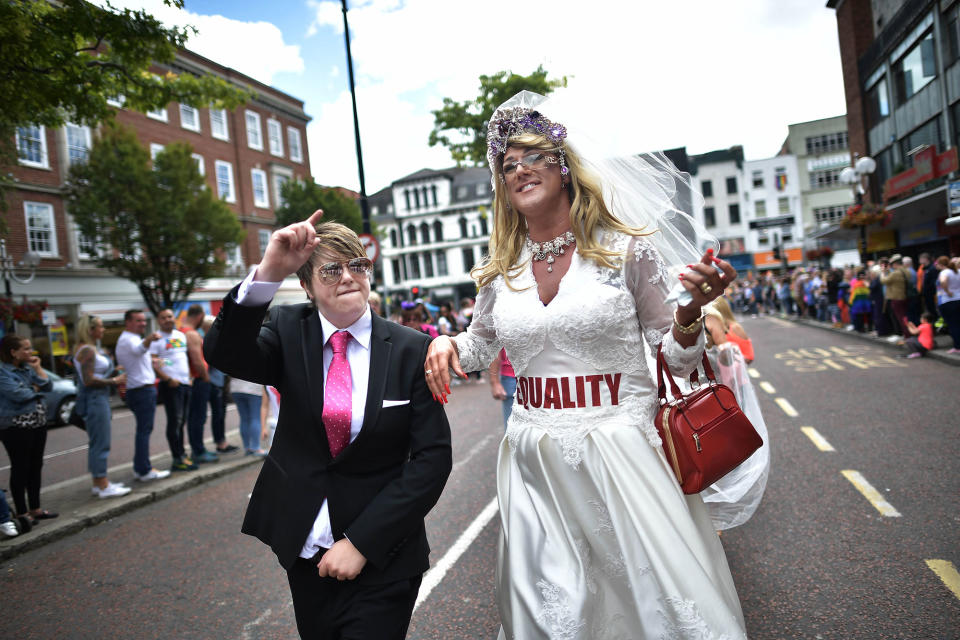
{"points": [[598, 542]]}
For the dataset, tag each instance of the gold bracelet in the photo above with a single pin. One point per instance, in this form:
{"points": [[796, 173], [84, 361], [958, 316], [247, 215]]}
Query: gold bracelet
{"points": [[690, 329]]}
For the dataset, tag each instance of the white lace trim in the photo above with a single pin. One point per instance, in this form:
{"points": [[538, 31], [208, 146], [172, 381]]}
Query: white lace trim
{"points": [[570, 428], [685, 622], [643, 247], [556, 614]]}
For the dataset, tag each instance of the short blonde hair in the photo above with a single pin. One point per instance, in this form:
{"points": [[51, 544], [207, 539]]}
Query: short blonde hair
{"points": [[335, 238], [588, 213], [84, 325]]}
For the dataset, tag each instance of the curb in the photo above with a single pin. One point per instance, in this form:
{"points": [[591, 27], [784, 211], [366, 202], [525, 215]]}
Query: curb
{"points": [[92, 511], [936, 354]]}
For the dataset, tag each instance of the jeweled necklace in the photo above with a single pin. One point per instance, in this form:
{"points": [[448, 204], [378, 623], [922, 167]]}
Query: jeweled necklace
{"points": [[547, 250]]}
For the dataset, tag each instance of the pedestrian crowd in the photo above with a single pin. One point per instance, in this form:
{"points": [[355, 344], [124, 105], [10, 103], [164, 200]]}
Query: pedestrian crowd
{"points": [[891, 297]]}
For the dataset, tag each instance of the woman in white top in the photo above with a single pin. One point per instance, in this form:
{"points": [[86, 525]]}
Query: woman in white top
{"points": [[948, 298], [93, 403]]}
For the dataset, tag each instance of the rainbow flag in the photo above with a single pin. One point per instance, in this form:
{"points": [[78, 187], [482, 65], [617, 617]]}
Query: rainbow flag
{"points": [[781, 181]]}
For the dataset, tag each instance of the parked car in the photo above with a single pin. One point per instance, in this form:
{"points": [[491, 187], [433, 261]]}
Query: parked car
{"points": [[59, 400]]}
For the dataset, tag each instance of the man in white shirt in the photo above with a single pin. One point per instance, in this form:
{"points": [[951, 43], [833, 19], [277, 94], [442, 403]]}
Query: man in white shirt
{"points": [[141, 396], [361, 451], [173, 369]]}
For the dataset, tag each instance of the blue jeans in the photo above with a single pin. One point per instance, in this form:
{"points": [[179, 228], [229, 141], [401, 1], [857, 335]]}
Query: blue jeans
{"points": [[510, 386], [4, 507], [248, 406], [93, 404], [197, 415], [175, 401], [143, 402]]}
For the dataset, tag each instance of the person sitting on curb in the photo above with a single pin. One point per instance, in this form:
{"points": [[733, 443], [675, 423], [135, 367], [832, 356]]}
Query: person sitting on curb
{"points": [[921, 338]]}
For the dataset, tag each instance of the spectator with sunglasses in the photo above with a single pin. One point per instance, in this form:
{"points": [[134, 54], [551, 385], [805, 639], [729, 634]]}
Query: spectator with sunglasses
{"points": [[361, 451]]}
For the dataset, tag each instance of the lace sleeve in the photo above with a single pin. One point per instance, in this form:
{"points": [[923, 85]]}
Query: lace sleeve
{"points": [[479, 344], [647, 278]]}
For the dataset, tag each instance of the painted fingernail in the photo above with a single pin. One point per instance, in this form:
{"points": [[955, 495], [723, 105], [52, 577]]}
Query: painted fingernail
{"points": [[434, 397], [447, 388], [689, 266], [681, 276], [710, 250]]}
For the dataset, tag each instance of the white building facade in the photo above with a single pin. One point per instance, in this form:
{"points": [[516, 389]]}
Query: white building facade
{"points": [[771, 196]]}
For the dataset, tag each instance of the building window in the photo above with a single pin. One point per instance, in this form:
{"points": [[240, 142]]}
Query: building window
{"points": [[393, 238], [824, 179], [78, 143], [709, 217], [731, 185], [32, 146], [189, 117], [396, 271], [441, 263], [279, 180], [254, 132], [463, 226], [218, 124], [275, 137], [433, 190], [760, 209], [411, 235], [201, 169], [707, 188], [406, 197], [426, 198], [783, 205], [437, 231], [780, 178], [263, 239], [467, 259], [827, 215], [413, 265], [825, 143], [86, 247], [225, 181], [758, 179], [293, 142], [926, 134], [424, 233], [416, 198], [41, 238], [915, 69], [483, 225], [117, 101], [259, 180], [427, 264], [734, 214], [155, 149], [878, 103], [461, 192], [158, 114]]}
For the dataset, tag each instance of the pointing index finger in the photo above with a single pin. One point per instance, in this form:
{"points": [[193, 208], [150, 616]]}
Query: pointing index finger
{"points": [[315, 217]]}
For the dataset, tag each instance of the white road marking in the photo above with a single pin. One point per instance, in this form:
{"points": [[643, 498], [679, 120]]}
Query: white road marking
{"points": [[245, 633], [766, 386], [435, 575], [474, 451], [787, 407], [871, 494], [817, 439], [753, 372]]}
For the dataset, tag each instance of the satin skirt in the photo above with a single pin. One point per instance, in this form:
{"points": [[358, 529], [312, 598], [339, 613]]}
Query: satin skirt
{"points": [[609, 549]]}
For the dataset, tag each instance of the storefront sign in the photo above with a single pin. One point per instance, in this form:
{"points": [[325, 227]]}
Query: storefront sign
{"points": [[765, 259], [927, 165], [918, 234], [764, 223], [884, 240]]}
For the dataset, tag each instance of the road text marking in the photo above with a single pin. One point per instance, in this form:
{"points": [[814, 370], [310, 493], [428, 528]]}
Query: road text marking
{"points": [[787, 407], [948, 573], [817, 439], [435, 575], [871, 494], [766, 386]]}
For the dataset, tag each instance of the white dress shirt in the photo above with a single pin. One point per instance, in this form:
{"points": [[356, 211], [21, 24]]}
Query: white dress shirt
{"points": [[254, 293], [132, 356]]}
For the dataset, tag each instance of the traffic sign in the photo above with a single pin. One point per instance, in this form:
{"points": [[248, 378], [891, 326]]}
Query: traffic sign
{"points": [[371, 245]]}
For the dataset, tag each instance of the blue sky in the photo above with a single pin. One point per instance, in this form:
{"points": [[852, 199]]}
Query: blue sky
{"points": [[697, 73]]}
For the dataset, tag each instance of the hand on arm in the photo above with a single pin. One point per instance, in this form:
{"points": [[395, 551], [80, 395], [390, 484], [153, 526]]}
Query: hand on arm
{"points": [[289, 248], [496, 388], [441, 358]]}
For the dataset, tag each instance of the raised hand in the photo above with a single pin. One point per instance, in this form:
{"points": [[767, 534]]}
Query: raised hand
{"points": [[705, 282], [289, 248]]}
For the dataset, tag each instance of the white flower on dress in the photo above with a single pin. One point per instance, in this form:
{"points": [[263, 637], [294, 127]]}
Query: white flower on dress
{"points": [[556, 615]]}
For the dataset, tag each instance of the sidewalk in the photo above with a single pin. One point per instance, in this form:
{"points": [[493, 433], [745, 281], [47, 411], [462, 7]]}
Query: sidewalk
{"points": [[943, 342], [79, 509]]}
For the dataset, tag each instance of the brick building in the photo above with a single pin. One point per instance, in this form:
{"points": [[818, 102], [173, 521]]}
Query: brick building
{"points": [[246, 155]]}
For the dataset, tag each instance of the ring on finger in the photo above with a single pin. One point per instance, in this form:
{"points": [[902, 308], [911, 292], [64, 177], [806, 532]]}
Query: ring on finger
{"points": [[706, 288], [428, 371]]}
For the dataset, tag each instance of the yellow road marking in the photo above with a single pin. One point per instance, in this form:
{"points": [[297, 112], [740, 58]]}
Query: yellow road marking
{"points": [[871, 494], [948, 573], [766, 386], [831, 363], [753, 372], [817, 439], [782, 323], [787, 407]]}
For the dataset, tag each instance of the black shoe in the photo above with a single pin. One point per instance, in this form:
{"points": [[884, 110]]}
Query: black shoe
{"points": [[24, 523], [228, 448]]}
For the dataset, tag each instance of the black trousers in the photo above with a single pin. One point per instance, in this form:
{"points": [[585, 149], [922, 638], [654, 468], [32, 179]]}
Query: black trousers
{"points": [[25, 449], [331, 609]]}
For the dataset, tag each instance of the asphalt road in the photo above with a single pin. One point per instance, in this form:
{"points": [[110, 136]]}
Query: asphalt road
{"points": [[818, 560]]}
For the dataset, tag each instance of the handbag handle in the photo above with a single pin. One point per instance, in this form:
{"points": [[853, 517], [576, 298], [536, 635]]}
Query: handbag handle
{"points": [[674, 388]]}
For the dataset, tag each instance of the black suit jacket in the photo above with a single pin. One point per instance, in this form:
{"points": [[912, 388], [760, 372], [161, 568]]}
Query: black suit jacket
{"points": [[380, 487]]}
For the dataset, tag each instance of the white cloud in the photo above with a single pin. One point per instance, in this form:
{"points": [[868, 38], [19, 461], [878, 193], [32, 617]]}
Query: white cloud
{"points": [[228, 41]]}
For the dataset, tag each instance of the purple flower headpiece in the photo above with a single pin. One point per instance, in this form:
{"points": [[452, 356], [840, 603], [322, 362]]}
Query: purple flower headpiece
{"points": [[511, 122]]}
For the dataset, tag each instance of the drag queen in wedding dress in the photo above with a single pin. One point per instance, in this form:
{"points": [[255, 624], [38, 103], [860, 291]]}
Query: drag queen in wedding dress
{"points": [[598, 542]]}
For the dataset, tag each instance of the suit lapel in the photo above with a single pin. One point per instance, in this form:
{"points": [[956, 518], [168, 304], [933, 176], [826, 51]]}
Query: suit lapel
{"points": [[311, 341], [380, 349]]}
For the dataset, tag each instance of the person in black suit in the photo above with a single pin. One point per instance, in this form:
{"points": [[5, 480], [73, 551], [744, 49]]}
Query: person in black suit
{"points": [[361, 451]]}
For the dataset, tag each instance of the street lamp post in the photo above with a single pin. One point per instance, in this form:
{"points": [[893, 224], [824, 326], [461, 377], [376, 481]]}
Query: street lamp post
{"points": [[364, 205], [30, 261], [862, 167]]}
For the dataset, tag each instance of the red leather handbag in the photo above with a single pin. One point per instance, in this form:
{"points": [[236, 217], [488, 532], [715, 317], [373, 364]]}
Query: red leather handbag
{"points": [[705, 433]]}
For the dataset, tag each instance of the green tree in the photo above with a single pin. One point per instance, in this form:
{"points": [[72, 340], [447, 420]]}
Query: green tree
{"points": [[301, 198], [60, 62], [462, 126], [160, 227]]}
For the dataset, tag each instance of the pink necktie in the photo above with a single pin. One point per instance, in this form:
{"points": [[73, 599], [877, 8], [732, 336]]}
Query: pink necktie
{"points": [[338, 395]]}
